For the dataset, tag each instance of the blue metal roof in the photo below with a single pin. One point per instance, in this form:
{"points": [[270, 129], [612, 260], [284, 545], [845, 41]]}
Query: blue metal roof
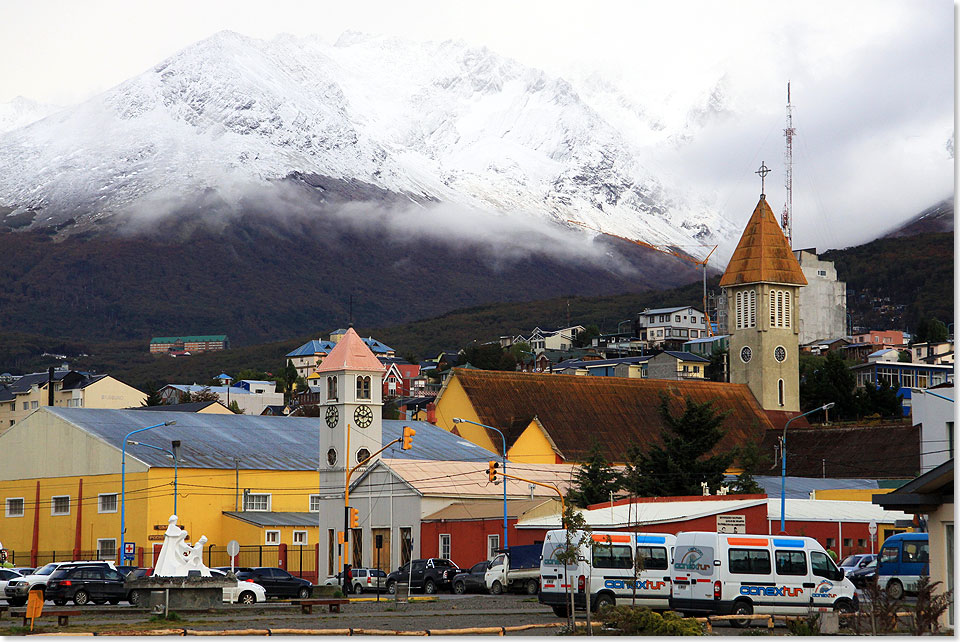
{"points": [[259, 442], [311, 348], [715, 337], [195, 387], [686, 356]]}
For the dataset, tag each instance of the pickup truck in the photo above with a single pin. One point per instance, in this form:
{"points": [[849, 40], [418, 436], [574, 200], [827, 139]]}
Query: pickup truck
{"points": [[516, 568]]}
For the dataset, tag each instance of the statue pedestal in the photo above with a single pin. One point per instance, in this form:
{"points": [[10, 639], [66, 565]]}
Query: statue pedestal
{"points": [[180, 592]]}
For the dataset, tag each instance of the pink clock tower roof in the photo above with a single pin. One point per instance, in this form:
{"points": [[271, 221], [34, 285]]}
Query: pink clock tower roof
{"points": [[350, 353]]}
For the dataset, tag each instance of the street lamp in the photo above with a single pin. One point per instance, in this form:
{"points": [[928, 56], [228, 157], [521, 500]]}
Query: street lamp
{"points": [[173, 455], [123, 481], [458, 420], [783, 465]]}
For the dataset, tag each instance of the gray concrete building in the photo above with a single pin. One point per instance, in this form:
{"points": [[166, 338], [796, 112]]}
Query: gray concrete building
{"points": [[823, 303]]}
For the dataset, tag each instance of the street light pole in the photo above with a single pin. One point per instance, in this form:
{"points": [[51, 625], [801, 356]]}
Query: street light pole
{"points": [[173, 456], [458, 420], [123, 483], [783, 465]]}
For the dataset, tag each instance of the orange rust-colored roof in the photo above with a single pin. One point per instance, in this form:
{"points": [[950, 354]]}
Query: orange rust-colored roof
{"points": [[350, 353], [617, 411], [763, 253]]}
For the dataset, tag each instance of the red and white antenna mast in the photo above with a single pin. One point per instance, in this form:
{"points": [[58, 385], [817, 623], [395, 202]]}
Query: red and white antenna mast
{"points": [[786, 220]]}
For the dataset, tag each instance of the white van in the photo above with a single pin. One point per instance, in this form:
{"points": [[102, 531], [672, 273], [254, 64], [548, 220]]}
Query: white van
{"points": [[607, 565], [724, 574]]}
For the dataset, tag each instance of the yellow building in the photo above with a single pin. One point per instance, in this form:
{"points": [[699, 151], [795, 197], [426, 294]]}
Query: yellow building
{"points": [[249, 478], [556, 418], [71, 389]]}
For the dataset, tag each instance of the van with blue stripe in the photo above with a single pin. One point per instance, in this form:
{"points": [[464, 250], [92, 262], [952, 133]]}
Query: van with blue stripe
{"points": [[728, 574], [613, 567]]}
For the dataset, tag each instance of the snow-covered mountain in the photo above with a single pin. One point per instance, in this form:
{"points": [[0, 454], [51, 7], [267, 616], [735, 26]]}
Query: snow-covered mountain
{"points": [[21, 111], [430, 122]]}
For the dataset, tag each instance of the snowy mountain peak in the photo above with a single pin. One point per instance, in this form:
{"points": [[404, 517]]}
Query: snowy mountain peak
{"points": [[441, 122]]}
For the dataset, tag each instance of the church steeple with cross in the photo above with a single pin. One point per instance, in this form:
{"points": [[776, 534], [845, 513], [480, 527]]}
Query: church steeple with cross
{"points": [[762, 282]]}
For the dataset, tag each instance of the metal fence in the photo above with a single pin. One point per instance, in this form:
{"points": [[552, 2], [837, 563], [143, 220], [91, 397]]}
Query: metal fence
{"points": [[256, 555], [22, 558]]}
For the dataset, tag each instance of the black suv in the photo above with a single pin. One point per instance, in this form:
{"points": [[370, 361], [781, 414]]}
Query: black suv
{"points": [[428, 575], [85, 583], [275, 581]]}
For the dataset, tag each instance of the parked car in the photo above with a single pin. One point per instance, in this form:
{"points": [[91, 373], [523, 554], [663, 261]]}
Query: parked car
{"points": [[244, 592], [127, 569], [472, 581], [84, 583], [852, 562], [24, 570], [367, 579], [17, 590], [7, 574], [864, 574], [429, 575], [276, 581]]}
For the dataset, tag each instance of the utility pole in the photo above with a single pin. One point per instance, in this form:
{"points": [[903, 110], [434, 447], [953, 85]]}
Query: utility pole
{"points": [[786, 221]]}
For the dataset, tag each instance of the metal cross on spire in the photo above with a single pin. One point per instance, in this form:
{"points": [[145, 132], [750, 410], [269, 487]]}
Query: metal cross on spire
{"points": [[763, 171]]}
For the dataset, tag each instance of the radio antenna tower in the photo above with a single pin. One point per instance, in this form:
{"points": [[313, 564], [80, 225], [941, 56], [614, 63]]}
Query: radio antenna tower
{"points": [[786, 220]]}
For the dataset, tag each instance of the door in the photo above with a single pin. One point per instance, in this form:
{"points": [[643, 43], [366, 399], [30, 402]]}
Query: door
{"points": [[113, 585], [914, 562], [653, 574], [474, 580], [265, 578], [825, 576], [384, 552], [286, 583], [417, 573], [693, 563], [92, 581], [793, 583], [612, 565]]}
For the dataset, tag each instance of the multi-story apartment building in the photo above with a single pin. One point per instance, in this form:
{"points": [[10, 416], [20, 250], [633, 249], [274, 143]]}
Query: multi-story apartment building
{"points": [[671, 325], [540, 339], [191, 344], [71, 389], [310, 355]]}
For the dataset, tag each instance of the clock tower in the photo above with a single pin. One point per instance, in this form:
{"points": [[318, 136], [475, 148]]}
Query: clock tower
{"points": [[762, 282], [351, 381]]}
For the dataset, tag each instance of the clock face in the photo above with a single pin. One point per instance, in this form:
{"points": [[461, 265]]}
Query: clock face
{"points": [[363, 416], [780, 354], [333, 416], [746, 354]]}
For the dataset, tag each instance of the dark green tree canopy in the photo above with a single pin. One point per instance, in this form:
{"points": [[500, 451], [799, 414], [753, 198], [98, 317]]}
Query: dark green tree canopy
{"points": [[681, 464], [594, 480]]}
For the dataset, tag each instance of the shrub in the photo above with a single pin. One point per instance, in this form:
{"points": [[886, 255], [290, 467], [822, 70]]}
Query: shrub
{"points": [[806, 626], [633, 620]]}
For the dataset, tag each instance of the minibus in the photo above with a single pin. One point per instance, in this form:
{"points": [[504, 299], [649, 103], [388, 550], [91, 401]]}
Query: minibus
{"points": [[903, 559]]}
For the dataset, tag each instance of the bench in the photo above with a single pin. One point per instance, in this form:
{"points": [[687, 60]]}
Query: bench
{"points": [[63, 617], [306, 606]]}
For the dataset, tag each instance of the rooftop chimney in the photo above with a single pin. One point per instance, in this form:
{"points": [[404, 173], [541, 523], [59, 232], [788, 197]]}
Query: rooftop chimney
{"points": [[50, 386]]}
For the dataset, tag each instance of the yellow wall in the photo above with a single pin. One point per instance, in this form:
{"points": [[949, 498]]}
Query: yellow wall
{"points": [[110, 393], [203, 496], [216, 409], [454, 402], [850, 494], [532, 447]]}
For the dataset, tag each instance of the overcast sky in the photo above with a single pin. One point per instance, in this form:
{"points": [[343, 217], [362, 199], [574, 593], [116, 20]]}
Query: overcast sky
{"points": [[873, 81]]}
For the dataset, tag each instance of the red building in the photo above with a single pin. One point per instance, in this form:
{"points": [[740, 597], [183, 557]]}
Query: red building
{"points": [[398, 380]]}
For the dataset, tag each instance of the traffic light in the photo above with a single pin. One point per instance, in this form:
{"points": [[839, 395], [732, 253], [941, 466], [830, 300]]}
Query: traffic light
{"points": [[340, 538], [492, 470], [408, 434], [354, 518]]}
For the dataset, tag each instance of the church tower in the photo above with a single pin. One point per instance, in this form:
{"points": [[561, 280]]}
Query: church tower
{"points": [[762, 282]]}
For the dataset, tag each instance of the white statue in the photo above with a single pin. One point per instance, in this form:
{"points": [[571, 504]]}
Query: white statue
{"points": [[177, 557]]}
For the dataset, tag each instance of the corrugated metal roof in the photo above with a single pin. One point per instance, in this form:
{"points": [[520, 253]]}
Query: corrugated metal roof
{"points": [[640, 513], [312, 347], [260, 442], [665, 310], [763, 253], [266, 518], [825, 510], [716, 337], [801, 487], [616, 411], [484, 510], [469, 479], [686, 356], [194, 406]]}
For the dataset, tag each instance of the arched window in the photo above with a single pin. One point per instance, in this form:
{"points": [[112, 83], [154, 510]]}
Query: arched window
{"points": [[753, 309], [780, 391], [363, 387], [739, 307], [779, 308], [331, 388]]}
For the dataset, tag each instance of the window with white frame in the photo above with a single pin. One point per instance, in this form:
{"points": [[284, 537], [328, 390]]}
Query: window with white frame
{"points": [[445, 546], [34, 404], [331, 388], [75, 403], [493, 543], [14, 507], [256, 501], [272, 537], [314, 503], [60, 505], [107, 503], [106, 549], [363, 387], [299, 538]]}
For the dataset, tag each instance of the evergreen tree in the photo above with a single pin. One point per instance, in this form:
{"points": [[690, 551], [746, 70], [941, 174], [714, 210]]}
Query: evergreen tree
{"points": [[930, 331], [585, 338], [681, 464], [153, 396], [289, 375], [235, 408], [826, 379], [594, 480]]}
